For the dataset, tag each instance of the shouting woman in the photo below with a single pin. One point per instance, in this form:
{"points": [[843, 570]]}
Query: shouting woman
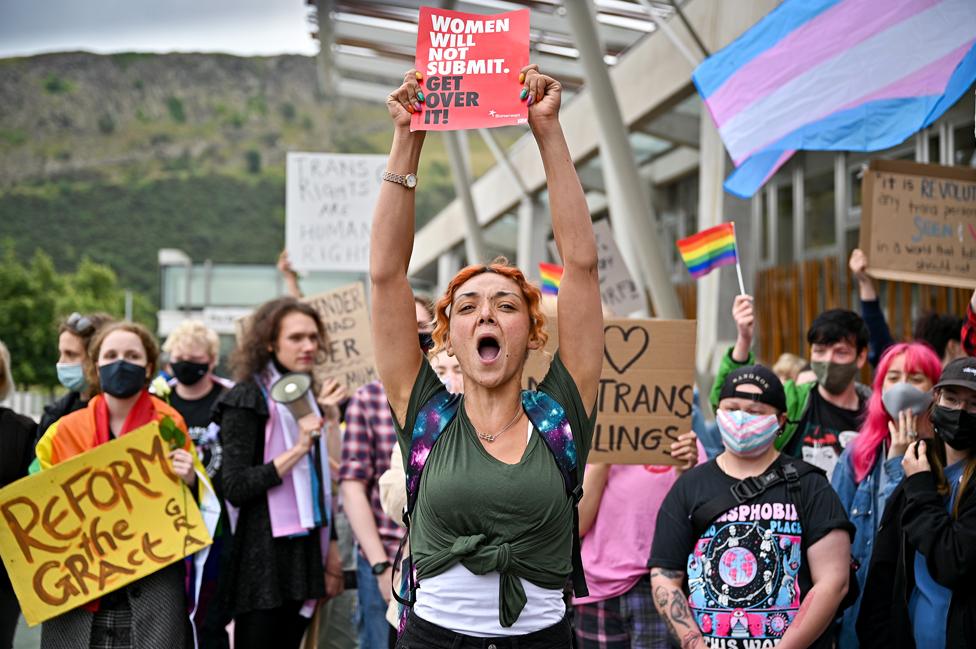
{"points": [[492, 528]]}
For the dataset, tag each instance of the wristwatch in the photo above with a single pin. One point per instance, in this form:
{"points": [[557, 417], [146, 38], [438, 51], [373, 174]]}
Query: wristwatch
{"points": [[409, 181], [380, 568]]}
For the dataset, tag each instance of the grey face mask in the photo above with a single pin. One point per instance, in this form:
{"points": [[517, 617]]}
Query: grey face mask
{"points": [[905, 396]]}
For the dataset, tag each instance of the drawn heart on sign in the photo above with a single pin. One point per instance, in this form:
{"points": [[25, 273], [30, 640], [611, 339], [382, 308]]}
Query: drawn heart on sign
{"points": [[632, 344]]}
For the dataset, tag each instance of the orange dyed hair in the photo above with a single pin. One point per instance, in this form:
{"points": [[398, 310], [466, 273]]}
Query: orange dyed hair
{"points": [[500, 265]]}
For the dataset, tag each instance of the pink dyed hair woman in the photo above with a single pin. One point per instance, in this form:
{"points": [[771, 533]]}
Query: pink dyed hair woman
{"points": [[919, 360], [870, 468]]}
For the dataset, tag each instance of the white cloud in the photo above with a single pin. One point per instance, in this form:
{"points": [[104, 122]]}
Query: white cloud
{"points": [[245, 27]]}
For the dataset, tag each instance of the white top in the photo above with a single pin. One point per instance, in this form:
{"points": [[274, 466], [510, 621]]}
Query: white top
{"points": [[463, 602]]}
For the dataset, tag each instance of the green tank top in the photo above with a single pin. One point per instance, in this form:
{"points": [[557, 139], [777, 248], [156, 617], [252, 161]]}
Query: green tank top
{"points": [[516, 520]]}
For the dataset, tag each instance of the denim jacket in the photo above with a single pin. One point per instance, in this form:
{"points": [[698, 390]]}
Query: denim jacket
{"points": [[864, 503]]}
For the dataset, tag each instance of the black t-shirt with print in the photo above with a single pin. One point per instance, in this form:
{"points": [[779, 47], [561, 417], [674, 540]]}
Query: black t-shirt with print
{"points": [[824, 431], [204, 433], [748, 571]]}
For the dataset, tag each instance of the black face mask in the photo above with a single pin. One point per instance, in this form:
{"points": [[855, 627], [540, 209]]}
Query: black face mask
{"points": [[188, 372], [426, 342], [121, 379], [957, 428]]}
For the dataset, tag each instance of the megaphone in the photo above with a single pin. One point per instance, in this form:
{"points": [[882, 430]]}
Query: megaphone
{"points": [[290, 391]]}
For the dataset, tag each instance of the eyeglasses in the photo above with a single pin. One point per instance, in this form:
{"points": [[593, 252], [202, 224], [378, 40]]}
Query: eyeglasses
{"points": [[956, 401], [80, 324]]}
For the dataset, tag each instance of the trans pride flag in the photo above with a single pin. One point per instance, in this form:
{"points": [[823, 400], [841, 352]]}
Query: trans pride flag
{"points": [[836, 75]]}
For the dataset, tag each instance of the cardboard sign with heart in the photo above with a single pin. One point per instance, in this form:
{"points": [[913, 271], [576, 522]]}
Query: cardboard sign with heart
{"points": [[646, 389], [624, 347]]}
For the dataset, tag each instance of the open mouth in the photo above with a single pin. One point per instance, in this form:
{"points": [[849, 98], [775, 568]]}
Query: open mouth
{"points": [[488, 348]]}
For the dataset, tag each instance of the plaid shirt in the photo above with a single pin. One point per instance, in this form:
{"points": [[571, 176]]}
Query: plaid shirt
{"points": [[367, 445], [969, 331]]}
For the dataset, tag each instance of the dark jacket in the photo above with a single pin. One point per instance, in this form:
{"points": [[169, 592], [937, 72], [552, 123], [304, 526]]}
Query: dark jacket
{"points": [[58, 409], [16, 445], [263, 572], [916, 519]]}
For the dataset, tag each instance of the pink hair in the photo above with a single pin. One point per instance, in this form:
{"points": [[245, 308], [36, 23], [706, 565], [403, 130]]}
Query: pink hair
{"points": [[919, 357]]}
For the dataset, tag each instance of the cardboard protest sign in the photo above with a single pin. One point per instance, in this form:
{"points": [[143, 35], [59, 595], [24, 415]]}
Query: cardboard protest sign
{"points": [[471, 64], [646, 388], [918, 223], [95, 523], [618, 290], [349, 350], [329, 200]]}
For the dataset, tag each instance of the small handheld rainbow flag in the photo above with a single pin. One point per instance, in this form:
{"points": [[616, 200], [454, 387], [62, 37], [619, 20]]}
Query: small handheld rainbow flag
{"points": [[710, 249], [551, 275]]}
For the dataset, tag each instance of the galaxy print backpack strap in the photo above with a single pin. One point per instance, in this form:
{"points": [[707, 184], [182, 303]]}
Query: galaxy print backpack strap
{"points": [[550, 421], [431, 421]]}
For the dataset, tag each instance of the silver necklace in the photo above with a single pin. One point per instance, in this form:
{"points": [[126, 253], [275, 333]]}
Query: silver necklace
{"points": [[492, 438]]}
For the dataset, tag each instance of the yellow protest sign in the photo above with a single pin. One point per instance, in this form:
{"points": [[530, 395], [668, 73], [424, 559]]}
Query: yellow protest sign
{"points": [[96, 522]]}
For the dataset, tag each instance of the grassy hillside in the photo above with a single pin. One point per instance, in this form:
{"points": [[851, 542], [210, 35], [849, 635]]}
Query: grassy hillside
{"points": [[117, 156]]}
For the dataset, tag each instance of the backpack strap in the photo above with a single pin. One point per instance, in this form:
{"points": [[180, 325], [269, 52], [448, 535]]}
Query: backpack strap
{"points": [[749, 489], [431, 421], [549, 419]]}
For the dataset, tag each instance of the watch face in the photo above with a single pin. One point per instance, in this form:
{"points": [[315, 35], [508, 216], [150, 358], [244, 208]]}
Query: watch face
{"points": [[410, 181]]}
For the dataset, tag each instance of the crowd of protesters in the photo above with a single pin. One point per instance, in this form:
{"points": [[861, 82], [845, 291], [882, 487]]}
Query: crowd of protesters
{"points": [[815, 511]]}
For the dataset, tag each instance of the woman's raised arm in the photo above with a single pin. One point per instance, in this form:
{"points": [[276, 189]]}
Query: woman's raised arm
{"points": [[579, 312], [394, 323]]}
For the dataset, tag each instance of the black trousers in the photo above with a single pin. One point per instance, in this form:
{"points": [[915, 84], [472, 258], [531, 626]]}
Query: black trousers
{"points": [[421, 634], [281, 628], [9, 611]]}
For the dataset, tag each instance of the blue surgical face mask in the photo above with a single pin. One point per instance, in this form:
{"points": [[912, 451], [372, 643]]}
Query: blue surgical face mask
{"points": [[72, 376], [744, 434]]}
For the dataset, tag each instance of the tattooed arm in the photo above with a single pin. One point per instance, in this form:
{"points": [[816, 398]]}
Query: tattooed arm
{"points": [[672, 603], [830, 560]]}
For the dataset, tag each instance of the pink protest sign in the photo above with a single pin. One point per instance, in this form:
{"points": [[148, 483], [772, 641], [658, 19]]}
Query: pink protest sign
{"points": [[470, 64]]}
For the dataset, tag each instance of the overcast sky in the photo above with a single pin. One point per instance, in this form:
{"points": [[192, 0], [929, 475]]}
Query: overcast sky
{"points": [[245, 27]]}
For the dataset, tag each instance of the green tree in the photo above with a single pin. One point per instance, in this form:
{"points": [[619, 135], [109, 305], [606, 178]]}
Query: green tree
{"points": [[34, 298]]}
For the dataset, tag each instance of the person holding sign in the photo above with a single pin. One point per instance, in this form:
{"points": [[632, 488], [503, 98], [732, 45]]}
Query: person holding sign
{"points": [[761, 539], [151, 611], [276, 471], [617, 515], [491, 524], [921, 586], [367, 445]]}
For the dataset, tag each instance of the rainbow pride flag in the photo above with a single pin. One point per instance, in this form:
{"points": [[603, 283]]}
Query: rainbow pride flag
{"points": [[709, 249], [552, 275]]}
